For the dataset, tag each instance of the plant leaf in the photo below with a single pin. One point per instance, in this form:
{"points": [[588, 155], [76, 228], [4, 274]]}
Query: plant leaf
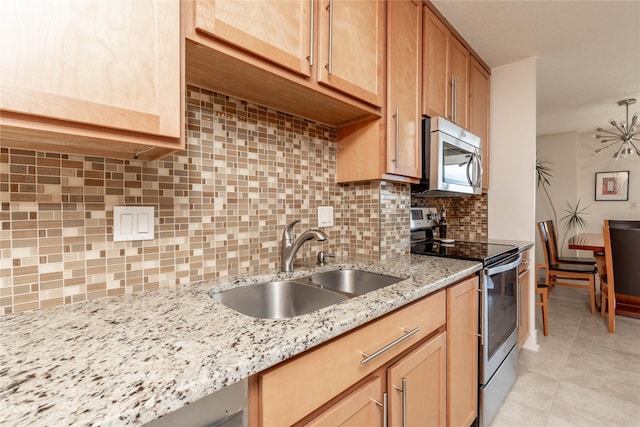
{"points": [[574, 217], [543, 172]]}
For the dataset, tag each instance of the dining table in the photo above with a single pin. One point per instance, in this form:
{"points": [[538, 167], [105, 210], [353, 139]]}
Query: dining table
{"points": [[626, 305]]}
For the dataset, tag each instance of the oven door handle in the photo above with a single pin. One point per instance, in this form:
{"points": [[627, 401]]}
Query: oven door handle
{"points": [[500, 268]]}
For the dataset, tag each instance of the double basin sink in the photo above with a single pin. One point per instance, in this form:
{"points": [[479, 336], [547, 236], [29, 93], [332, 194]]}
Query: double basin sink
{"points": [[289, 298]]}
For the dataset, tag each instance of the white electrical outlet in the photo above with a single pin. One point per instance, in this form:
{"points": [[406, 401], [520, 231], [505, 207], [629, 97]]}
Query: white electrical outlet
{"points": [[133, 223], [325, 216]]}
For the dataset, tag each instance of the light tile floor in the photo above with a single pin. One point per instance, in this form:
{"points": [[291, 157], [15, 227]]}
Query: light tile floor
{"points": [[581, 375]]}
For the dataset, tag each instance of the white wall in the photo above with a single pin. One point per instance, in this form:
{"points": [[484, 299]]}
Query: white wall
{"points": [[560, 152], [512, 159], [588, 165], [574, 168]]}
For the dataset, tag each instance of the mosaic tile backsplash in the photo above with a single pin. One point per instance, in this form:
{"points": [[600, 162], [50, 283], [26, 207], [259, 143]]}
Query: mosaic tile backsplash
{"points": [[467, 216], [221, 206]]}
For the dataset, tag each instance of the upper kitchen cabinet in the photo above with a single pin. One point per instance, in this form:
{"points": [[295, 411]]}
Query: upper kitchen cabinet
{"points": [[403, 93], [390, 148], [279, 31], [92, 77], [445, 72], [479, 86], [350, 40], [321, 60]]}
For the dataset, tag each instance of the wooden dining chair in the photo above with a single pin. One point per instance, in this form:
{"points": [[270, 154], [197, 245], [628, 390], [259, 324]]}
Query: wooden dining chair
{"points": [[621, 248], [575, 272], [555, 252]]}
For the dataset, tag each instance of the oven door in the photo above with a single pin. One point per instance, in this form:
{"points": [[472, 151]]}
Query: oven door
{"points": [[499, 312]]}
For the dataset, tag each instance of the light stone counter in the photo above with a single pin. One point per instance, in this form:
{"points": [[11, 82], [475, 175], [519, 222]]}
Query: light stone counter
{"points": [[129, 360]]}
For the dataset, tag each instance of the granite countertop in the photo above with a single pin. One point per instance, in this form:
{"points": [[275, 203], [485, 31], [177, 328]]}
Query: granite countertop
{"points": [[128, 360]]}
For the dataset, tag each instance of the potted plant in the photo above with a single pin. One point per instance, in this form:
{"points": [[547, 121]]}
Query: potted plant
{"points": [[574, 217]]}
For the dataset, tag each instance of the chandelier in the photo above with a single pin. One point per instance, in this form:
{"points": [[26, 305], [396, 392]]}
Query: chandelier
{"points": [[625, 134]]}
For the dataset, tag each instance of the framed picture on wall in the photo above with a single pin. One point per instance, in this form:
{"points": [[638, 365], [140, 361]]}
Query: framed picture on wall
{"points": [[612, 186]]}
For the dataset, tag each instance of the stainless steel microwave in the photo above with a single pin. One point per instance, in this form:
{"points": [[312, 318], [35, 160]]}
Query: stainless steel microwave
{"points": [[452, 159]]}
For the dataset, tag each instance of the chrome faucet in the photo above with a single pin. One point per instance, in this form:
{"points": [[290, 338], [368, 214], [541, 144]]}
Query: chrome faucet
{"points": [[290, 247]]}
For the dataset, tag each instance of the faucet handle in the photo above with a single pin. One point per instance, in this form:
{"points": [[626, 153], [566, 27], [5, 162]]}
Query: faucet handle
{"points": [[287, 234], [322, 257]]}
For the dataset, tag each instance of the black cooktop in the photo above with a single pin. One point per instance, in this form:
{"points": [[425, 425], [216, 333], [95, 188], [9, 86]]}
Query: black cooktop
{"points": [[487, 253]]}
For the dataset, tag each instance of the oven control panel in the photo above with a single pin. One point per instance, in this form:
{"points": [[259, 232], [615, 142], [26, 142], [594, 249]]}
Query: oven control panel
{"points": [[423, 218]]}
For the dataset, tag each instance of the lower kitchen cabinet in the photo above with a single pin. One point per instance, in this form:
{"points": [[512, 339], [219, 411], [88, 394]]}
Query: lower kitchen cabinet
{"points": [[401, 359], [417, 386], [524, 299], [462, 353], [362, 407]]}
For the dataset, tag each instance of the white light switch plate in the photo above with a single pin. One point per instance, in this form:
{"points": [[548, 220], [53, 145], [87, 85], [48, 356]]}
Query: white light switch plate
{"points": [[325, 216], [133, 223]]}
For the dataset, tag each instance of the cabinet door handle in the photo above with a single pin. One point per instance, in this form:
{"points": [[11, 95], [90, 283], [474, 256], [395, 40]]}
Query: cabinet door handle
{"points": [[385, 408], [396, 116], [369, 357], [330, 64], [454, 106], [403, 390], [313, 33], [404, 402]]}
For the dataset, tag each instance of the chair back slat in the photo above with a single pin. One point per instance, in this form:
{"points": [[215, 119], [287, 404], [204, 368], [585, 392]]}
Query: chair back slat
{"points": [[544, 238], [624, 241], [553, 241]]}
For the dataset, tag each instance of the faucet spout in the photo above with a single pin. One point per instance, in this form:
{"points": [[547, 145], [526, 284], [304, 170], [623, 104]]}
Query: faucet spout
{"points": [[290, 246]]}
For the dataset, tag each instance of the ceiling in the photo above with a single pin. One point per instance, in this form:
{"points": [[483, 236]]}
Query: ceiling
{"points": [[588, 53]]}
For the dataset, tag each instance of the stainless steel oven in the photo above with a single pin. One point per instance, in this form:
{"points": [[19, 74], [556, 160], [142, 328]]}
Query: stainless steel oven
{"points": [[498, 311], [499, 334]]}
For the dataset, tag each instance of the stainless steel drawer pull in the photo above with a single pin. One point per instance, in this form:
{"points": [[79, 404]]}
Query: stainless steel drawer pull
{"points": [[370, 357]]}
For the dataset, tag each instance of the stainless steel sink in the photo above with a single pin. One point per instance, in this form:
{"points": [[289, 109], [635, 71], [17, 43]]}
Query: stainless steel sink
{"points": [[278, 299], [353, 281]]}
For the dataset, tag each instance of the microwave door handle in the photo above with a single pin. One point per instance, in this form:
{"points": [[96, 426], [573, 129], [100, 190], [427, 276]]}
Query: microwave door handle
{"points": [[469, 179], [501, 268], [478, 170]]}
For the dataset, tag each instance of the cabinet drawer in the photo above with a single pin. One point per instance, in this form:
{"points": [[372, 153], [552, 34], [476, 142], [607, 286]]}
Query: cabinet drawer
{"points": [[320, 374]]}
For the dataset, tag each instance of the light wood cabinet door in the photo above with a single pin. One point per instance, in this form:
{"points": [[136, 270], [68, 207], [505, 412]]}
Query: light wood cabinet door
{"points": [[279, 31], [417, 386], [462, 353], [479, 87], [93, 69], [350, 43], [524, 299], [362, 407], [403, 96], [458, 82], [445, 72], [305, 381], [435, 71]]}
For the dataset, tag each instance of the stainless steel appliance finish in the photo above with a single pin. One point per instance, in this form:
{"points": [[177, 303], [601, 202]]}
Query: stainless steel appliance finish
{"points": [[498, 313], [495, 391], [499, 334], [452, 160], [226, 407], [423, 218]]}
